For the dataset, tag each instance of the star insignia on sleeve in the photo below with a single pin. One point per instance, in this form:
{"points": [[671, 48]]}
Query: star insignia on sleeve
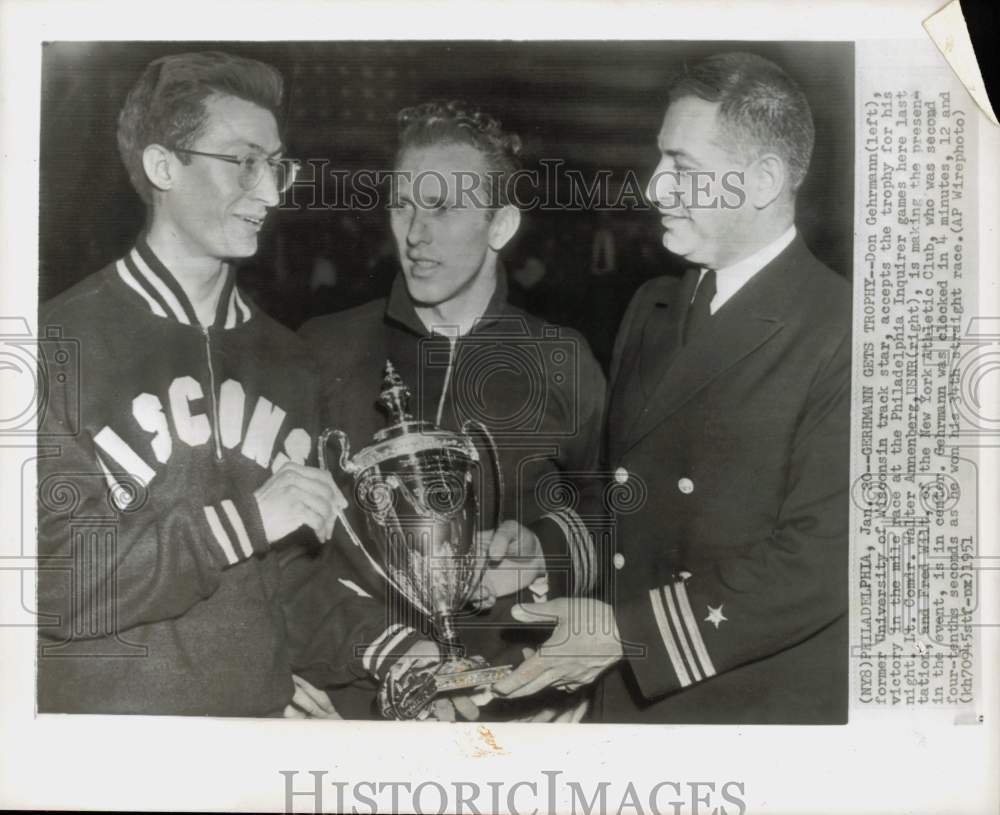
{"points": [[715, 616]]}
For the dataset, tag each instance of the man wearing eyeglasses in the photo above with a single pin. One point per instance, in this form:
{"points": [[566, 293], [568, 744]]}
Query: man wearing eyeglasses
{"points": [[197, 424]]}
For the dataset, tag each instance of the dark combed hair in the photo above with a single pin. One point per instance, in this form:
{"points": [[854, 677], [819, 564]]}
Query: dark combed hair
{"points": [[760, 108], [457, 122], [166, 104]]}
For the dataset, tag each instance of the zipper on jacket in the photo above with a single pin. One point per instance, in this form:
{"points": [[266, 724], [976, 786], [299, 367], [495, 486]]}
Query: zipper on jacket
{"points": [[452, 345], [215, 405]]}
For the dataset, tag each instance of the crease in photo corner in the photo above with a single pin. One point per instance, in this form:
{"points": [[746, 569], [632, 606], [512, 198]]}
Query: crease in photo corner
{"points": [[948, 31]]}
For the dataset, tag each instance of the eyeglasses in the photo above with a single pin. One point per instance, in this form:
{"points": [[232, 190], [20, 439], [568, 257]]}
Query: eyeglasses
{"points": [[283, 170]]}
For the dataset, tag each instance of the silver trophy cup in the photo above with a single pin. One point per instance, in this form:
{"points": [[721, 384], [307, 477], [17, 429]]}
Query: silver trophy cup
{"points": [[418, 486]]}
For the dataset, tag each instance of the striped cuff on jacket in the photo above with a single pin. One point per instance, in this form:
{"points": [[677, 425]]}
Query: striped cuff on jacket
{"points": [[386, 649], [570, 557], [235, 531], [680, 634]]}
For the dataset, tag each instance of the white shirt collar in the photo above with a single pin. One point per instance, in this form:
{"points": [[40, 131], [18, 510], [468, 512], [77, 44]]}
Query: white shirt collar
{"points": [[731, 279]]}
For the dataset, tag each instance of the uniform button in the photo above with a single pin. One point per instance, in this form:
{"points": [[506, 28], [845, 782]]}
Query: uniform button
{"points": [[619, 560], [621, 475], [686, 485]]}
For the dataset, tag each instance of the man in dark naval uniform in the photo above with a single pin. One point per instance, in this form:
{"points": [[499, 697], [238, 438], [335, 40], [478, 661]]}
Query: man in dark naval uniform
{"points": [[465, 353], [729, 419]]}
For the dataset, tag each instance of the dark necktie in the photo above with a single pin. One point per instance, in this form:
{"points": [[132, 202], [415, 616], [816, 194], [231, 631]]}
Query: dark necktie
{"points": [[699, 313]]}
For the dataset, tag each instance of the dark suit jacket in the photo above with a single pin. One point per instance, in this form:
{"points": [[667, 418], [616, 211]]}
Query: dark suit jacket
{"points": [[730, 552]]}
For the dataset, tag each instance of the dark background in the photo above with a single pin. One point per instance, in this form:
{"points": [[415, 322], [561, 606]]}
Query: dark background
{"points": [[595, 105]]}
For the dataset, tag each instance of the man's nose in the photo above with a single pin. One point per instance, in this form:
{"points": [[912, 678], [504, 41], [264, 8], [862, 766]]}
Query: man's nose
{"points": [[266, 190], [419, 231], [663, 187]]}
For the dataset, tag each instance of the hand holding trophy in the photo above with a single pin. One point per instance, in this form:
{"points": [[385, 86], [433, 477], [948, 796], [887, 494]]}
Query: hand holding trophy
{"points": [[417, 486]]}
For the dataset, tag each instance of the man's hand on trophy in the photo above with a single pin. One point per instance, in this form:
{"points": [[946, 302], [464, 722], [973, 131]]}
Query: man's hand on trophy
{"points": [[297, 495], [584, 643], [453, 707], [558, 708], [408, 674], [514, 561]]}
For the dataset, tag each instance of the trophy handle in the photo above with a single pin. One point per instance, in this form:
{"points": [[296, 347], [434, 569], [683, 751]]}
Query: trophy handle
{"points": [[345, 450], [491, 444], [351, 468]]}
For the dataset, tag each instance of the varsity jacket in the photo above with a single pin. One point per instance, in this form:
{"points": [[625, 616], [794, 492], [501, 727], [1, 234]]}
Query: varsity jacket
{"points": [[157, 590], [537, 387]]}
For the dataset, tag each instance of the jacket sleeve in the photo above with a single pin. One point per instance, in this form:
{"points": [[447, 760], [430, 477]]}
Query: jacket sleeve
{"points": [[572, 537], [112, 554], [337, 631], [337, 612], [781, 589]]}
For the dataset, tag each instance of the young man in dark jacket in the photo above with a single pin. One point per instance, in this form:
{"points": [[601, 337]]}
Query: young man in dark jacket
{"points": [[169, 498], [463, 350]]}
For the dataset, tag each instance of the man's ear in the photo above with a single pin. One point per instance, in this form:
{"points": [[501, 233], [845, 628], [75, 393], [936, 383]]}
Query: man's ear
{"points": [[158, 162], [770, 178], [505, 222]]}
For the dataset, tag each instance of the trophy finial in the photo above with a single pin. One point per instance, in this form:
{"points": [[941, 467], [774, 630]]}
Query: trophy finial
{"points": [[395, 396]]}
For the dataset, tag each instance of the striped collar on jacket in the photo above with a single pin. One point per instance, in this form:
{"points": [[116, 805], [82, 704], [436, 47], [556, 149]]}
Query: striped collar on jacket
{"points": [[144, 273]]}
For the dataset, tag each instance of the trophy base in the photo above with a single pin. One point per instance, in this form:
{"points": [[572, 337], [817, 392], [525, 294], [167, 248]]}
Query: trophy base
{"points": [[455, 676], [406, 696]]}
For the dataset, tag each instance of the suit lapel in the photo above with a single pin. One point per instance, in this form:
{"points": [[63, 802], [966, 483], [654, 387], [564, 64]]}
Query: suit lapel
{"points": [[661, 336], [746, 322], [696, 365], [652, 338]]}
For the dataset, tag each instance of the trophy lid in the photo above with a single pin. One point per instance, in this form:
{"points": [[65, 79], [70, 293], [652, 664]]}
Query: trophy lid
{"points": [[395, 396], [399, 435]]}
